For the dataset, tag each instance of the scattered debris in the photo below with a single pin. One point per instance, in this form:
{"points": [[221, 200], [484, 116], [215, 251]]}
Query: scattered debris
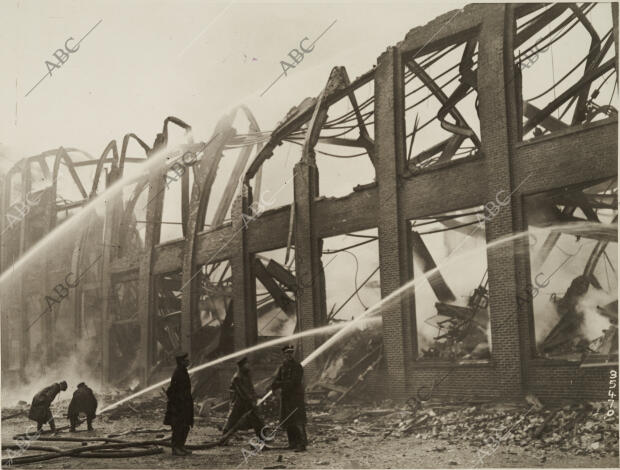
{"points": [[583, 428]]}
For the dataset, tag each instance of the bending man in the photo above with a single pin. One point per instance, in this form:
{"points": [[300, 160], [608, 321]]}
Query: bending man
{"points": [[83, 401], [242, 400], [40, 407]]}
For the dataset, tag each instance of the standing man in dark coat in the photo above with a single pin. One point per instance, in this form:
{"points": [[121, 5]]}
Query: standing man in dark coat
{"points": [[180, 408], [242, 400], [40, 406], [289, 379], [83, 401]]}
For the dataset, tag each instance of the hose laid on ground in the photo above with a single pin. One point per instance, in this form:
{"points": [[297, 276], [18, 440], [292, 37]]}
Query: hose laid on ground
{"points": [[79, 450], [43, 448], [139, 431], [66, 439], [122, 454]]}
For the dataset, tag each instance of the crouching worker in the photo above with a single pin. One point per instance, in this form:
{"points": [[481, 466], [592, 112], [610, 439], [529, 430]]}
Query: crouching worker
{"points": [[40, 407], [180, 408], [83, 401], [242, 400]]}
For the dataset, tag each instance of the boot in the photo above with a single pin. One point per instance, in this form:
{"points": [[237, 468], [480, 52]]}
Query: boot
{"points": [[178, 451], [186, 450], [72, 429], [52, 425]]}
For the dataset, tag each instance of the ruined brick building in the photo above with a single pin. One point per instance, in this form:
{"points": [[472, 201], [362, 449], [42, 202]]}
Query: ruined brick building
{"points": [[450, 127]]}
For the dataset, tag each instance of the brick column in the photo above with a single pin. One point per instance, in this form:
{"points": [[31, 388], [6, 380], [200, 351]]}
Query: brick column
{"points": [[310, 297], [398, 331], [498, 130], [243, 283], [146, 287], [111, 244]]}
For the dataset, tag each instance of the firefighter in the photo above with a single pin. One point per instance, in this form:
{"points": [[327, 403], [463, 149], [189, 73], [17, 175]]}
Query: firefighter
{"points": [[289, 379], [40, 407], [83, 401], [242, 400], [180, 407]]}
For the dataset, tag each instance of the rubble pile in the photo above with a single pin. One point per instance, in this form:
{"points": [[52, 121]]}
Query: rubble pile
{"points": [[579, 428], [344, 370]]}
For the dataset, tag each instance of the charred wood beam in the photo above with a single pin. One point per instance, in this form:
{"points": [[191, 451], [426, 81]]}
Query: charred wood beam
{"points": [[126, 225], [596, 254], [233, 181], [208, 166], [123, 157], [282, 275], [578, 199], [448, 104], [430, 152], [603, 233], [296, 120], [343, 142], [593, 60], [594, 258], [453, 144], [524, 9], [469, 76], [614, 16], [550, 123], [364, 138], [427, 263], [185, 191], [46, 169], [542, 20], [176, 121], [111, 147], [279, 296], [588, 78], [64, 156]]}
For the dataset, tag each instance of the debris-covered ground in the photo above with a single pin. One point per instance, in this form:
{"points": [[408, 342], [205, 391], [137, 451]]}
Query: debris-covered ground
{"points": [[379, 435]]}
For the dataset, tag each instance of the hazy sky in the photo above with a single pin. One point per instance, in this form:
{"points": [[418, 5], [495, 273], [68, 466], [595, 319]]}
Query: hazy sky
{"points": [[193, 59]]}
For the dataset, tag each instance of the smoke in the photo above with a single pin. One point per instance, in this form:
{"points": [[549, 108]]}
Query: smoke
{"points": [[546, 317], [462, 276], [8, 158], [566, 262], [593, 322], [74, 369]]}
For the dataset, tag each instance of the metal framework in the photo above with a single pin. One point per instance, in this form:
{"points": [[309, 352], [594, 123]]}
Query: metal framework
{"points": [[493, 139]]}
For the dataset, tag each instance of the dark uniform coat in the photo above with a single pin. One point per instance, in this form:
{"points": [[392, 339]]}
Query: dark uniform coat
{"points": [[40, 407], [289, 379], [180, 408], [83, 401], [242, 398]]}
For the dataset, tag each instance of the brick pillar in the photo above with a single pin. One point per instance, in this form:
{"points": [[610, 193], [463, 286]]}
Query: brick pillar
{"points": [[111, 244], [243, 282], [146, 284], [310, 298], [398, 337], [498, 130], [24, 229]]}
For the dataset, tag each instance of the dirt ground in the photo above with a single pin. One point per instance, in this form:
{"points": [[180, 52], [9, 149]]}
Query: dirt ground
{"points": [[324, 451]]}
